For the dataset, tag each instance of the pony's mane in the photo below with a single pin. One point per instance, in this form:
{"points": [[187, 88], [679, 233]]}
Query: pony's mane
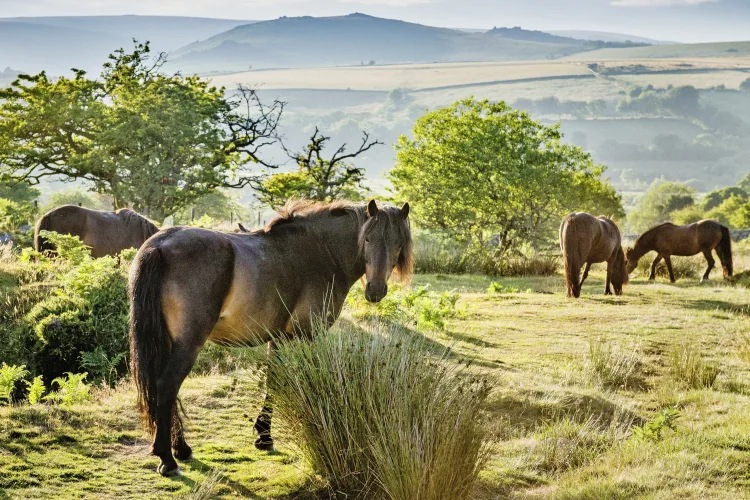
{"points": [[148, 227], [304, 211]]}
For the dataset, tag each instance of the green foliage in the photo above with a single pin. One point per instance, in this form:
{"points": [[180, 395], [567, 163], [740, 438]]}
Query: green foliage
{"points": [[218, 205], [74, 197], [687, 366], [154, 142], [716, 198], [745, 85], [376, 415], [71, 390], [9, 376], [478, 169], [424, 309], [14, 214], [658, 203], [20, 192], [88, 308], [102, 365], [36, 390], [496, 287], [653, 429]]}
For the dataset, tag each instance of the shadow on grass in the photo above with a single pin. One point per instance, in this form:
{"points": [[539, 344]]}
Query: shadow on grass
{"points": [[718, 305], [528, 412]]}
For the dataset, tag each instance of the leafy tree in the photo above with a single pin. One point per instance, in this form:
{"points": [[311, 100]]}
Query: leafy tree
{"points": [[482, 171], [658, 203], [716, 198], [317, 177], [734, 212], [152, 141], [74, 197], [745, 183], [20, 192], [218, 205]]}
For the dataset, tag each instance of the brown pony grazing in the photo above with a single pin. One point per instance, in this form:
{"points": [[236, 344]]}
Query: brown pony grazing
{"points": [[107, 233], [190, 285], [667, 240], [588, 239]]}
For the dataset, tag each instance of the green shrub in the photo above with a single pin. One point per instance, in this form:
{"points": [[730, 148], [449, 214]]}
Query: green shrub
{"points": [[376, 415], [686, 365], [496, 287], [63, 308], [612, 366], [420, 307], [652, 430], [72, 390], [36, 390], [9, 376]]}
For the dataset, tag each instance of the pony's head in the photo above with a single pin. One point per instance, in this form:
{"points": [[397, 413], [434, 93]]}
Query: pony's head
{"points": [[385, 243], [631, 260], [620, 272]]}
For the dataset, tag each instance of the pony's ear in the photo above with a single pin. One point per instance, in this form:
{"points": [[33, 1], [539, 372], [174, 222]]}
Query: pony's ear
{"points": [[405, 210], [242, 228], [372, 208]]}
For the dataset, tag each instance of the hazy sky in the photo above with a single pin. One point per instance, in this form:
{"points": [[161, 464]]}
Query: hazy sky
{"points": [[681, 20]]}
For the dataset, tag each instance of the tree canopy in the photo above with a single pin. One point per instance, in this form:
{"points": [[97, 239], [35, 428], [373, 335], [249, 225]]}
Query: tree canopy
{"points": [[482, 170], [152, 141], [659, 202]]}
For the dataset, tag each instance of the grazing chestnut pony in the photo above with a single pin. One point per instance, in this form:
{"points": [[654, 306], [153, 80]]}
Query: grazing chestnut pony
{"points": [[585, 239], [667, 240], [107, 233], [190, 285]]}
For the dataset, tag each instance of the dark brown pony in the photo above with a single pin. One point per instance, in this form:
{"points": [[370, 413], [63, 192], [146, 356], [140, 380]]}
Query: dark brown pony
{"points": [[585, 239], [190, 285], [107, 233], [667, 240]]}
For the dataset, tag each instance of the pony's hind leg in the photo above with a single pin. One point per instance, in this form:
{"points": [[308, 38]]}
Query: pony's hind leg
{"points": [[180, 363], [668, 260], [263, 422], [608, 288], [711, 263], [585, 272], [652, 276]]}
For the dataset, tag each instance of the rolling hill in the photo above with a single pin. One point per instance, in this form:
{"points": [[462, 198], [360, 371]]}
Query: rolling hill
{"points": [[57, 44], [352, 40], [722, 49]]}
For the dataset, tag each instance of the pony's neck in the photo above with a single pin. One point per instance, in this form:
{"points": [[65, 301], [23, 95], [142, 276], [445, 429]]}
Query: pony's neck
{"points": [[643, 245], [340, 240]]}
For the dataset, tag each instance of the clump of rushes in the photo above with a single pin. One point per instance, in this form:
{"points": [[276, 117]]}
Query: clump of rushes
{"points": [[376, 414], [613, 366], [688, 366]]}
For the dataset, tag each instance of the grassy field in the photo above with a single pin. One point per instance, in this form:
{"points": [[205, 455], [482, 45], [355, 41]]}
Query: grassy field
{"points": [[721, 49], [574, 378]]}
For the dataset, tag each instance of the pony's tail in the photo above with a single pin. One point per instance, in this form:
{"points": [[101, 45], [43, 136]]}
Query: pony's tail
{"points": [[725, 252], [572, 267], [44, 224], [150, 343]]}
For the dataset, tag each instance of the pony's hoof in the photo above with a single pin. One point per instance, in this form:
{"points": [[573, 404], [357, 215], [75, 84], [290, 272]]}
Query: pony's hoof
{"points": [[185, 453], [264, 444], [168, 472]]}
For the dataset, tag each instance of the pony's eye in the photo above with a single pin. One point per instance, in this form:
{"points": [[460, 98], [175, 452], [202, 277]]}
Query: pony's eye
{"points": [[367, 240]]}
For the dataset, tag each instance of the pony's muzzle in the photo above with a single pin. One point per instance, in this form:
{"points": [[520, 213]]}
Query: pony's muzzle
{"points": [[375, 291]]}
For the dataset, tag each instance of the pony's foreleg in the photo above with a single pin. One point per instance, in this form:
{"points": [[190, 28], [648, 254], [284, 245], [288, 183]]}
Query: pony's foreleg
{"points": [[585, 272], [652, 276], [181, 360], [607, 287], [263, 422], [711, 263], [668, 260]]}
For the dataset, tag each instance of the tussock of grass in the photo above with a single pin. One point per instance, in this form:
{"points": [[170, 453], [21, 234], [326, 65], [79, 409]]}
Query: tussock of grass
{"points": [[376, 415], [687, 366], [204, 490], [568, 444], [613, 366]]}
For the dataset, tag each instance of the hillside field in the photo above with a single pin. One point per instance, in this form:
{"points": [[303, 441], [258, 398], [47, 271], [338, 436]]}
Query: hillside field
{"points": [[558, 433]]}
